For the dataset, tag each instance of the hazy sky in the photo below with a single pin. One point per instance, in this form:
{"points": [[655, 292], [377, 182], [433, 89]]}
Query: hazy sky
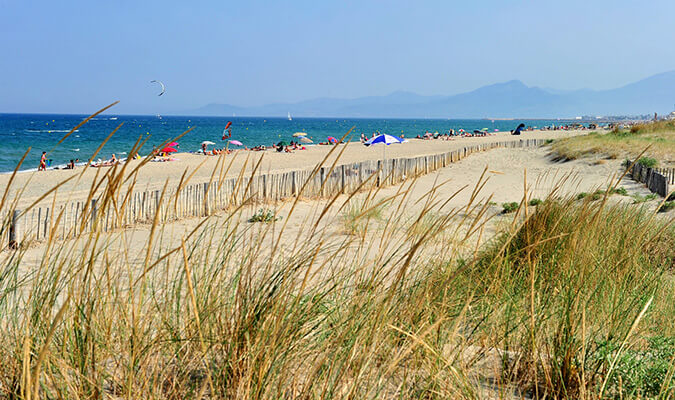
{"points": [[74, 56]]}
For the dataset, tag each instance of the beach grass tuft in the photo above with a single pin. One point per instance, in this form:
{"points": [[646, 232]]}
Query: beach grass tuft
{"points": [[659, 136]]}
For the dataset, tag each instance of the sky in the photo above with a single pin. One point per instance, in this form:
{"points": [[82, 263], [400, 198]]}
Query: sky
{"points": [[77, 56]]}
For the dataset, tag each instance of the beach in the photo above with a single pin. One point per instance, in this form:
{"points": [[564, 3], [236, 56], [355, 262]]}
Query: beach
{"points": [[153, 175], [502, 175]]}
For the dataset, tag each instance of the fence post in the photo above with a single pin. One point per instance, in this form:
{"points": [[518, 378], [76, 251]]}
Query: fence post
{"points": [[294, 176], [343, 178], [93, 214], [206, 198], [323, 180], [14, 230]]}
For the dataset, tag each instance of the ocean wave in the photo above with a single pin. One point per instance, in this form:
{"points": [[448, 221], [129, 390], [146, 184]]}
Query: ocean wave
{"points": [[49, 130]]}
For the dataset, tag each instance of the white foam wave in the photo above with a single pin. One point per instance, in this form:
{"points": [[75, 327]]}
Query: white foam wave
{"points": [[49, 130]]}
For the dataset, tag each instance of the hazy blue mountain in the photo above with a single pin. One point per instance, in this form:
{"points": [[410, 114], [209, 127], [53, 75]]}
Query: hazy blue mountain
{"points": [[511, 99]]}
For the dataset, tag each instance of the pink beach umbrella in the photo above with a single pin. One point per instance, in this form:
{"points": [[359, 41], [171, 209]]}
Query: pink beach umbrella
{"points": [[172, 144], [169, 150], [236, 143]]}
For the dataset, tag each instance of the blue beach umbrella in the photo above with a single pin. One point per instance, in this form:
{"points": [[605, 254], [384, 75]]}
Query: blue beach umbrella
{"points": [[384, 139]]}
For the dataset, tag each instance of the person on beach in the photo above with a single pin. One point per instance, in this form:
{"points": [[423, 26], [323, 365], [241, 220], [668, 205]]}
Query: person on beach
{"points": [[43, 162]]}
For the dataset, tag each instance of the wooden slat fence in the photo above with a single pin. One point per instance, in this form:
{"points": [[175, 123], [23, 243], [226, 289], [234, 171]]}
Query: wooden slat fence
{"points": [[658, 180], [202, 199]]}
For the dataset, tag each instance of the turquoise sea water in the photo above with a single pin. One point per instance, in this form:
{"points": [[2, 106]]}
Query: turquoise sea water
{"points": [[41, 132]]}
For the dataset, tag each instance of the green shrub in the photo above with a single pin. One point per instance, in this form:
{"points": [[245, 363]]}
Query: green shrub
{"points": [[621, 190], [648, 162], [641, 199], [639, 372], [597, 195], [667, 206], [535, 202], [509, 207], [264, 215]]}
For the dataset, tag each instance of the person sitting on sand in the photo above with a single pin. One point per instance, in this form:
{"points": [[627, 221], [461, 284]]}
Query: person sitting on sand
{"points": [[43, 162], [113, 160]]}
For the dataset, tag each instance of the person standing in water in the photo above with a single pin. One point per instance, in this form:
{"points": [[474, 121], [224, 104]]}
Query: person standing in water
{"points": [[43, 162]]}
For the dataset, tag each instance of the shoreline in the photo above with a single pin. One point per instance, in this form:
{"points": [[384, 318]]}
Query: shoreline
{"points": [[34, 184]]}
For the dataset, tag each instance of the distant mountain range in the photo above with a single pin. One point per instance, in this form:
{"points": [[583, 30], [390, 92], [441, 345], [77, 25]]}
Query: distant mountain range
{"points": [[511, 99]]}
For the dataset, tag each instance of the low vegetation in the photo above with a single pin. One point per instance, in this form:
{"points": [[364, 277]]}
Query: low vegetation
{"points": [[638, 198], [622, 143], [666, 206], [509, 207], [264, 215]]}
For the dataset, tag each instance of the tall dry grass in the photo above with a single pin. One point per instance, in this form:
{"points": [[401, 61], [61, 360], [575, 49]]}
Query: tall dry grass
{"points": [[619, 143], [232, 309]]}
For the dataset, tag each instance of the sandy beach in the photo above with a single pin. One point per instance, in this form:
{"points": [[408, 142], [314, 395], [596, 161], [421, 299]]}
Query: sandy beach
{"points": [[155, 174], [507, 172]]}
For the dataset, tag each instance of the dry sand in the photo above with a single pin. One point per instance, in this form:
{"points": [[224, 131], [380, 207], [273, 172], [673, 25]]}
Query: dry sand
{"points": [[154, 175], [506, 172]]}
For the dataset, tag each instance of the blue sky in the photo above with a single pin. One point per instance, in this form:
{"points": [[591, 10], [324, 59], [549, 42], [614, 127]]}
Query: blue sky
{"points": [[74, 56]]}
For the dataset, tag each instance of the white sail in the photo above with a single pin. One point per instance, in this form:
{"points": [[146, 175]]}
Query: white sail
{"points": [[289, 117]]}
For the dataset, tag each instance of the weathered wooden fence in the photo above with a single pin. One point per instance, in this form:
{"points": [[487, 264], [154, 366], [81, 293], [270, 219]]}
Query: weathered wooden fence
{"points": [[202, 199], [658, 180]]}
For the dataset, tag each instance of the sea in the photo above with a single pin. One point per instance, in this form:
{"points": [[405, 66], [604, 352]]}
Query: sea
{"points": [[42, 132]]}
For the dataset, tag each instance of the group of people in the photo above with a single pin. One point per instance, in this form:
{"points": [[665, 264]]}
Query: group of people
{"points": [[214, 151], [44, 163], [288, 148]]}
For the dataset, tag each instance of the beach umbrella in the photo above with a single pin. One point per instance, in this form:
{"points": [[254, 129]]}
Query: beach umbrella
{"points": [[384, 139], [332, 139], [236, 143], [207, 142], [169, 150], [306, 140], [296, 134], [172, 144]]}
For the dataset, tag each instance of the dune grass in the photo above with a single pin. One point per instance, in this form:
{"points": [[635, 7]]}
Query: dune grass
{"points": [[622, 143], [558, 306]]}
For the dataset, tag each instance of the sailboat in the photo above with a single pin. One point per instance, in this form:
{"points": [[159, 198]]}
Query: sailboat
{"points": [[289, 117]]}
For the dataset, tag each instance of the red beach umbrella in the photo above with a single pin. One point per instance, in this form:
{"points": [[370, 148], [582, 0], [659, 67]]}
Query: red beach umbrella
{"points": [[169, 150]]}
